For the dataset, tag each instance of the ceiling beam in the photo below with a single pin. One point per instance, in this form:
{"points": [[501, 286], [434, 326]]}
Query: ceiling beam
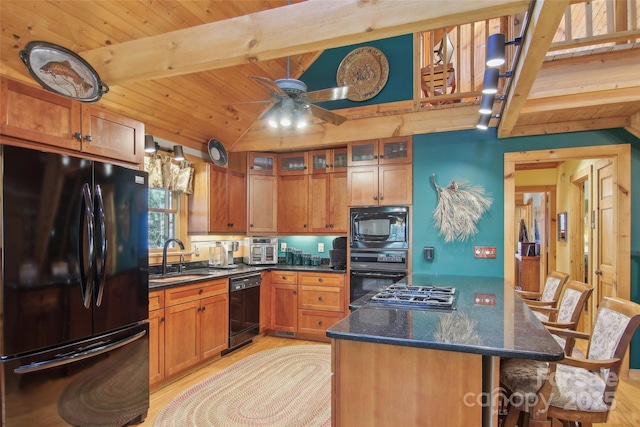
{"points": [[572, 126], [634, 126], [264, 138], [309, 26], [543, 24], [581, 100]]}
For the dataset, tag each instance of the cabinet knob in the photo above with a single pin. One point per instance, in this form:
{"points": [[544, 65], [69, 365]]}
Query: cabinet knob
{"points": [[320, 280], [204, 308], [162, 319], [381, 198], [284, 277], [326, 226], [294, 292], [200, 291], [331, 165], [304, 225], [375, 157], [250, 225], [330, 225], [319, 322], [251, 167], [375, 197], [598, 272], [87, 138], [382, 156], [78, 136], [320, 299]]}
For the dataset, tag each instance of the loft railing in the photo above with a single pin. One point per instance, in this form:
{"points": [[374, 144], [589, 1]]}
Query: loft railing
{"points": [[452, 60], [597, 24]]}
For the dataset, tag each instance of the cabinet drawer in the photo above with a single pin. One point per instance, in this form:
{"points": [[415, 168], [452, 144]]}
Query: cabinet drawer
{"points": [[317, 321], [156, 300], [181, 294], [324, 279], [287, 277], [320, 298]]}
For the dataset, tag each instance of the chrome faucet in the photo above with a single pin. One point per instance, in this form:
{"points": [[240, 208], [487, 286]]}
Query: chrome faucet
{"points": [[164, 253]]}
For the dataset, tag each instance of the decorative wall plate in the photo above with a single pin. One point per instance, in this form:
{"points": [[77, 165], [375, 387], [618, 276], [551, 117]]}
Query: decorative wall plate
{"points": [[217, 153], [62, 71], [366, 70]]}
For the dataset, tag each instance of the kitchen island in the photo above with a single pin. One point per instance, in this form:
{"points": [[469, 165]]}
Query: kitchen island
{"points": [[398, 366]]}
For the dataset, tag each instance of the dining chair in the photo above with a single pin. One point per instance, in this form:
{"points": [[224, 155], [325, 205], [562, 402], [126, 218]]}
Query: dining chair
{"points": [[550, 294], [438, 80], [573, 391], [567, 314]]}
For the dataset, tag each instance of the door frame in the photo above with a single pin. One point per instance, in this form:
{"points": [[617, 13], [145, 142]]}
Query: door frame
{"points": [[622, 152]]}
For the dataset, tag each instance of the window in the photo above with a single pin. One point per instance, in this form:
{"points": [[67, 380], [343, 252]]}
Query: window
{"points": [[163, 216]]}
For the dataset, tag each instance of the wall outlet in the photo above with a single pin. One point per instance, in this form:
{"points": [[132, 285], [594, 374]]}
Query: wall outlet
{"points": [[283, 246], [429, 252], [320, 247], [484, 252], [197, 250]]}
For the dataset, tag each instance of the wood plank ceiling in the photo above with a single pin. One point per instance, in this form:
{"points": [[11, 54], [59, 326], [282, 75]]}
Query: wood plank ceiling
{"points": [[183, 67]]}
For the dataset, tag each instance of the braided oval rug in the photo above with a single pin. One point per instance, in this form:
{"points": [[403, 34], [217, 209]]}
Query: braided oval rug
{"points": [[288, 386]]}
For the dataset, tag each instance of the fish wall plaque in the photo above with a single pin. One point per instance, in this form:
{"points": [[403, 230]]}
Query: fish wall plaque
{"points": [[62, 71]]}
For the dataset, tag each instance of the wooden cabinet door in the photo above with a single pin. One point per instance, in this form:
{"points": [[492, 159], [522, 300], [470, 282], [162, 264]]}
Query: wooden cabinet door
{"points": [[262, 164], [265, 302], [362, 185], [339, 214], [395, 150], [293, 164], [320, 203], [263, 204], [293, 203], [284, 313], [110, 135], [182, 332], [237, 201], [217, 192], [32, 114], [362, 153], [329, 298], [214, 329], [395, 185], [156, 346]]}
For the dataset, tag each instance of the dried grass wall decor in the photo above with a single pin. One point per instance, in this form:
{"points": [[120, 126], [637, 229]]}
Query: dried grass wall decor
{"points": [[460, 207]]}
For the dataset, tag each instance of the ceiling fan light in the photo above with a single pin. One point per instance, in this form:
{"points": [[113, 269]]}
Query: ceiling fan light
{"points": [[272, 122], [285, 120]]}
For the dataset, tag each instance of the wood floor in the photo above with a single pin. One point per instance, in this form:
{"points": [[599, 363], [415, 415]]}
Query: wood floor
{"points": [[626, 413]]}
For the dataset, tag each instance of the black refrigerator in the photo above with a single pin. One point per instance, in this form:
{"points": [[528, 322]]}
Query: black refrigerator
{"points": [[74, 291]]}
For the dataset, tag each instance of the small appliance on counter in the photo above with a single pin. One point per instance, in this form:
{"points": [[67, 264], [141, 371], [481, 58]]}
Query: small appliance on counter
{"points": [[261, 250], [338, 255], [221, 255]]}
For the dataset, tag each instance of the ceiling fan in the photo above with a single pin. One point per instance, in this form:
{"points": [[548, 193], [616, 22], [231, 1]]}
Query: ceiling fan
{"points": [[292, 102]]}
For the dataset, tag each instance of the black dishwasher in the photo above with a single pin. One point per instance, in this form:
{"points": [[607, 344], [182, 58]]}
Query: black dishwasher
{"points": [[244, 309]]}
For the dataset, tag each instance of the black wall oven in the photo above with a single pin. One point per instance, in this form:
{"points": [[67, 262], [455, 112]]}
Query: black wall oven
{"points": [[380, 227], [375, 270]]}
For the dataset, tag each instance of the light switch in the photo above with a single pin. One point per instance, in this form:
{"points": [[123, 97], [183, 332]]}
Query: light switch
{"points": [[283, 246], [429, 253], [320, 247]]}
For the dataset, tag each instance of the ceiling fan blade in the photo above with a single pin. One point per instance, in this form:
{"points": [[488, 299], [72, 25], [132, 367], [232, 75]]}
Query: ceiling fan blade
{"points": [[330, 94], [269, 84], [326, 115]]}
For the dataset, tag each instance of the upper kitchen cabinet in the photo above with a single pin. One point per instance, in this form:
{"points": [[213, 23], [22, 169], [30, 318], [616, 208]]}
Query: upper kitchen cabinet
{"points": [[293, 164], [263, 204], [218, 202], [328, 211], [293, 205], [386, 151], [262, 164], [39, 116], [328, 161], [380, 185]]}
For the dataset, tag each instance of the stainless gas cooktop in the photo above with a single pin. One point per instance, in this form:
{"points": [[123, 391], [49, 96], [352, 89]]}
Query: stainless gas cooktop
{"points": [[417, 297]]}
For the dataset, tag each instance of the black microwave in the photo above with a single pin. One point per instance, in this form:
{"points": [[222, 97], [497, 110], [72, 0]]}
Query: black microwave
{"points": [[380, 227]]}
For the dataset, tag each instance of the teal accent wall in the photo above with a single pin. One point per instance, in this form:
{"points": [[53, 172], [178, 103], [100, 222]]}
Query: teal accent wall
{"points": [[476, 156], [399, 87], [307, 244]]}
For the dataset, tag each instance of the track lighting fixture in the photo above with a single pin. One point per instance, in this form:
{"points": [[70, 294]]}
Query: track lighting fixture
{"points": [[152, 147], [495, 53], [483, 121], [486, 103]]}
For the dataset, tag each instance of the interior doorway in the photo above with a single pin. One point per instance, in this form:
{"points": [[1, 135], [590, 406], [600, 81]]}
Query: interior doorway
{"points": [[615, 240]]}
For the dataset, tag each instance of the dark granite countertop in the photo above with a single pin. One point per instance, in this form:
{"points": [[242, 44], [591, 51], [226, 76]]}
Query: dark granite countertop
{"points": [[506, 329], [195, 275]]}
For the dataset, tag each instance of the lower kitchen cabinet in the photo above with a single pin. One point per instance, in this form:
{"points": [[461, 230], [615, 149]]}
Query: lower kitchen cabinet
{"points": [[307, 303], [190, 328], [156, 337]]}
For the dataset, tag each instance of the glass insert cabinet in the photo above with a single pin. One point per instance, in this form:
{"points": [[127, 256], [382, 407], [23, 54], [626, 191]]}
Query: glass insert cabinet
{"points": [[380, 152]]}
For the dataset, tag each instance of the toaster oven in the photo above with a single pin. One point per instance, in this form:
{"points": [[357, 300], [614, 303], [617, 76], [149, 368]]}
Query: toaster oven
{"points": [[261, 250]]}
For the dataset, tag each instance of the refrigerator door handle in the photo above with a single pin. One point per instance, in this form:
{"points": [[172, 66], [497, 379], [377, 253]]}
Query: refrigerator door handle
{"points": [[77, 356], [86, 272], [102, 255]]}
